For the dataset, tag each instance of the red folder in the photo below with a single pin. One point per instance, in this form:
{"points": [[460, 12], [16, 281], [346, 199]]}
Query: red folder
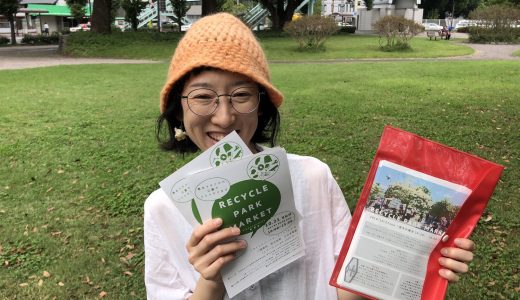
{"points": [[425, 156]]}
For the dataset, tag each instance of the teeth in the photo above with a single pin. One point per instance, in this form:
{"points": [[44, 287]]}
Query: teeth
{"points": [[217, 136]]}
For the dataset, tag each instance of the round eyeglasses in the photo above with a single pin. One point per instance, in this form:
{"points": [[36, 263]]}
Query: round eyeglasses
{"points": [[204, 102]]}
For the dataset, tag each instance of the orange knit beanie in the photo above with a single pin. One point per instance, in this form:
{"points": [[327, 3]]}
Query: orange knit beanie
{"points": [[224, 42]]}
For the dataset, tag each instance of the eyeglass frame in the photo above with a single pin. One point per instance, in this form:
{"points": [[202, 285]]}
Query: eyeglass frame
{"points": [[230, 99]]}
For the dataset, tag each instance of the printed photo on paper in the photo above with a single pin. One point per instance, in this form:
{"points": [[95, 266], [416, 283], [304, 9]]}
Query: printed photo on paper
{"points": [[404, 218]]}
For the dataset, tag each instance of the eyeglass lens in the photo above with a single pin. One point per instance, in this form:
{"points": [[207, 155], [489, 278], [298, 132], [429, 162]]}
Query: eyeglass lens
{"points": [[205, 101]]}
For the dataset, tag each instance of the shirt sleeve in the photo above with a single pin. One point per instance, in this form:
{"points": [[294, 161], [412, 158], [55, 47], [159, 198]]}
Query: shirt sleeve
{"points": [[163, 279], [340, 214]]}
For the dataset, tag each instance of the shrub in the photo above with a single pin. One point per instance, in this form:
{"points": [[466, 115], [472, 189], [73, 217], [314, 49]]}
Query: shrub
{"points": [[4, 40], [311, 31], [463, 29], [496, 24], [397, 32], [347, 29], [41, 39]]}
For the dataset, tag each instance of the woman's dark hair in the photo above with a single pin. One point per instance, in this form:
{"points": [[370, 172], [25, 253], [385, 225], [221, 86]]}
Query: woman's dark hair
{"points": [[171, 118]]}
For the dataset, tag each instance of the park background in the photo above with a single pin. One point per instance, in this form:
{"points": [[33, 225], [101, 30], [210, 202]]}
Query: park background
{"points": [[79, 154]]}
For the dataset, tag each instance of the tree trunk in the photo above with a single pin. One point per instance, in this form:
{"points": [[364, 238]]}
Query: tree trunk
{"points": [[135, 22], [279, 14], [13, 34], [179, 23], [209, 7], [101, 17]]}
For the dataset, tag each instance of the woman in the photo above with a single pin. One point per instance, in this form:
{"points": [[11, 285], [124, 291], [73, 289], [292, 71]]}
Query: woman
{"points": [[218, 82]]}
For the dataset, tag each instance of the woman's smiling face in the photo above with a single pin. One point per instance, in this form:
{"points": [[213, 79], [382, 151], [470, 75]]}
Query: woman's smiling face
{"points": [[205, 131]]}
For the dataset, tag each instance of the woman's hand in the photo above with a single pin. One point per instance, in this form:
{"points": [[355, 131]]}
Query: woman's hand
{"points": [[455, 259], [208, 250]]}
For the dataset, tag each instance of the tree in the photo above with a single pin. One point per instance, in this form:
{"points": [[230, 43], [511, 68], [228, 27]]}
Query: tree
{"points": [[493, 2], [237, 9], [369, 4], [280, 14], [8, 8], [77, 9], [180, 8], [416, 198], [101, 16], [376, 192], [445, 209], [209, 7], [132, 10], [434, 9]]}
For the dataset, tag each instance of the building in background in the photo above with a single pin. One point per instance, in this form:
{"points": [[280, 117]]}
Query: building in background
{"points": [[354, 12], [405, 8]]}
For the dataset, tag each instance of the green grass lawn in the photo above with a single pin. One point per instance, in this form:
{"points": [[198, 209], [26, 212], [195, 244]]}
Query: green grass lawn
{"points": [[79, 158], [161, 46], [516, 53]]}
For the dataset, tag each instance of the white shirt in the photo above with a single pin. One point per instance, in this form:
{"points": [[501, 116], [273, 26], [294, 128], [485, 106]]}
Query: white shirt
{"points": [[325, 220]]}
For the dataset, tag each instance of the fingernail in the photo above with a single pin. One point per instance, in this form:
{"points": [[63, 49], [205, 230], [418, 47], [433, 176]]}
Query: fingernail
{"points": [[445, 238], [218, 221], [444, 251], [236, 230], [243, 244]]}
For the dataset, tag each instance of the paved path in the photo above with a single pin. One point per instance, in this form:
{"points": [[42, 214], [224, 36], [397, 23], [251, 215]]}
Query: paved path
{"points": [[24, 57]]}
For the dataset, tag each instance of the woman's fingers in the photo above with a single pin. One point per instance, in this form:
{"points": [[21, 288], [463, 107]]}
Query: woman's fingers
{"points": [[465, 244], [201, 231], [449, 275], [213, 271], [455, 260], [209, 248], [211, 263], [212, 239], [457, 254], [453, 265]]}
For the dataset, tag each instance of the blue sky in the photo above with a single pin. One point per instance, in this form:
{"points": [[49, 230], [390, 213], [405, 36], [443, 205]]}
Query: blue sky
{"points": [[387, 176]]}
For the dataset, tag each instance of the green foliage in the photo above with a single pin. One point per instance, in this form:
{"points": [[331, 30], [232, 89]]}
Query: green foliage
{"points": [[277, 46], [143, 44], [397, 32], [310, 32], [77, 8], [496, 24], [347, 29], [180, 8], [41, 39], [490, 35], [375, 192], [416, 198], [369, 4], [3, 40], [435, 9], [132, 10], [463, 29], [493, 2], [9, 7], [444, 208], [238, 9], [318, 7], [433, 14]]}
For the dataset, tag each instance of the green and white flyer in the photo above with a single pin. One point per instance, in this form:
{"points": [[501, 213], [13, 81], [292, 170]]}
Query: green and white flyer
{"points": [[229, 149], [255, 194]]}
